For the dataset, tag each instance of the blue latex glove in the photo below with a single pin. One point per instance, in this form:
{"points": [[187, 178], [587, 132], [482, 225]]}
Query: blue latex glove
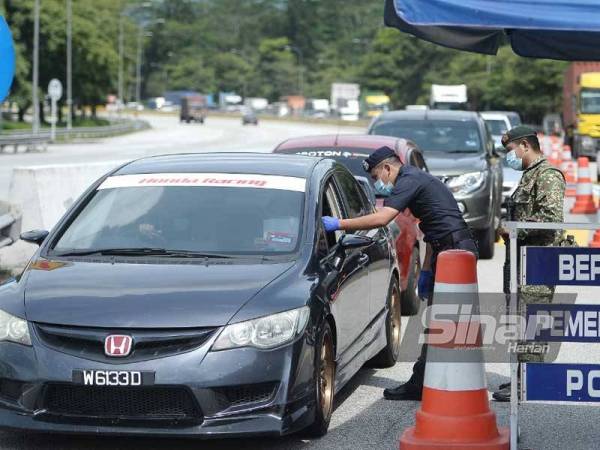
{"points": [[425, 285], [331, 223]]}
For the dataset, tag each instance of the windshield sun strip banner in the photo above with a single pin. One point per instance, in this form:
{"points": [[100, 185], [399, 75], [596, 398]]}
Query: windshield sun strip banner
{"points": [[205, 180]]}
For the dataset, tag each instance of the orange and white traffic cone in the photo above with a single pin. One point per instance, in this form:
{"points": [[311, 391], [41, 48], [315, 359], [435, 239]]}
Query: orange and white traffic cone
{"points": [[455, 411], [595, 242], [555, 158], [584, 200], [568, 169], [567, 155]]}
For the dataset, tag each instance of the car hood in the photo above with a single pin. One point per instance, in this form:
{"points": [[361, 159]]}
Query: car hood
{"points": [[452, 164], [143, 295]]}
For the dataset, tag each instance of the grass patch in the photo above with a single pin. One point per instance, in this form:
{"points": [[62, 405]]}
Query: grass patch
{"points": [[10, 125]]}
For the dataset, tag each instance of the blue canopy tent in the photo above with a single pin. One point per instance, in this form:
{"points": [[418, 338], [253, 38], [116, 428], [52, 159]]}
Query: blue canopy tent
{"points": [[555, 29]]}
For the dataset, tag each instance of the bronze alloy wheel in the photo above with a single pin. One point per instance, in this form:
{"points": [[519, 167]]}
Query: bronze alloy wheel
{"points": [[395, 322], [326, 377]]}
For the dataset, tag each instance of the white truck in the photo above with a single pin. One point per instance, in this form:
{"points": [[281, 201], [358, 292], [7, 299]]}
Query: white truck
{"points": [[345, 100], [448, 96]]}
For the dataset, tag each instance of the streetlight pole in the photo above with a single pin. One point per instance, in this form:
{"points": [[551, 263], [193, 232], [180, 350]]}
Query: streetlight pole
{"points": [[36, 47], [69, 65], [121, 55], [138, 72], [300, 67]]}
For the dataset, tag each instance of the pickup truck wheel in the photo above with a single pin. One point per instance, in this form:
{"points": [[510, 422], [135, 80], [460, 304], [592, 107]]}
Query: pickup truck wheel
{"points": [[410, 299], [486, 240]]}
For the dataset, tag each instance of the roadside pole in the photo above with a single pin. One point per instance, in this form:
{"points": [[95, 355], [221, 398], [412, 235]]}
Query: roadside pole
{"points": [[55, 93], [69, 64], [34, 82]]}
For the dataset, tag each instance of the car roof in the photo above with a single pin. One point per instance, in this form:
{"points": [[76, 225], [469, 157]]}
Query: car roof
{"points": [[494, 115], [430, 114], [362, 141], [259, 163]]}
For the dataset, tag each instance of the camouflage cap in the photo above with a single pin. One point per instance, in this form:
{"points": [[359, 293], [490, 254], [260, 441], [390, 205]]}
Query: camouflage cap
{"points": [[516, 133]]}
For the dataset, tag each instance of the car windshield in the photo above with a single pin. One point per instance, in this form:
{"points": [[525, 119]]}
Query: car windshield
{"points": [[590, 101], [497, 126], [352, 158], [449, 136], [245, 219]]}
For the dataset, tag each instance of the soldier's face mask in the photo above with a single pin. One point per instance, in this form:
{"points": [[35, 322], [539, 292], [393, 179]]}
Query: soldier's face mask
{"points": [[513, 160]]}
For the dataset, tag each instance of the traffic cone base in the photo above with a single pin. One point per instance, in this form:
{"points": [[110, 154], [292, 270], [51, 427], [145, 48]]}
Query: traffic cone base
{"points": [[408, 441]]}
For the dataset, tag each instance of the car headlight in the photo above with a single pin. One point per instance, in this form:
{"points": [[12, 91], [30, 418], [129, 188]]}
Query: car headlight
{"points": [[14, 329], [587, 142], [467, 183], [264, 332]]}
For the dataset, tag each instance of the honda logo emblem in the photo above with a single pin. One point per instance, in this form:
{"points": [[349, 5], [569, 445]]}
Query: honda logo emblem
{"points": [[118, 345]]}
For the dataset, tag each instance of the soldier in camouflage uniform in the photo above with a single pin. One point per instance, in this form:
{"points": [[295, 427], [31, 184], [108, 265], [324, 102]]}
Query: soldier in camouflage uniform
{"points": [[538, 198]]}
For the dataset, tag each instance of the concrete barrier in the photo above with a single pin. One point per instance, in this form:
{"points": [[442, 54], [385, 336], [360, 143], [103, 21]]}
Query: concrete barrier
{"points": [[10, 223], [43, 194]]}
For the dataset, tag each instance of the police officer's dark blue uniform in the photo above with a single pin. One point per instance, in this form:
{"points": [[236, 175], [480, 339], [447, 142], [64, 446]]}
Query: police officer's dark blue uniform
{"points": [[440, 220]]}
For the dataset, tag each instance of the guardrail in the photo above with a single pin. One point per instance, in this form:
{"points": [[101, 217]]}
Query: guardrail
{"points": [[39, 141]]}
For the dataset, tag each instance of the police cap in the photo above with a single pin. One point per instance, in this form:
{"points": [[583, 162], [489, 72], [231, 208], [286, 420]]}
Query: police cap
{"points": [[517, 133], [379, 155]]}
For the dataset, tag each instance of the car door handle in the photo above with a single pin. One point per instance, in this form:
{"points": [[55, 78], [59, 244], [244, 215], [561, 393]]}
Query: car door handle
{"points": [[363, 260]]}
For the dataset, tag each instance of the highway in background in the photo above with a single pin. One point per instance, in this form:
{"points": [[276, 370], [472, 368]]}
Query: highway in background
{"points": [[362, 419]]}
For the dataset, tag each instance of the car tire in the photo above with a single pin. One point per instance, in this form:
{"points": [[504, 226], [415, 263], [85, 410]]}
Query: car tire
{"points": [[325, 383], [410, 298], [388, 356], [486, 240]]}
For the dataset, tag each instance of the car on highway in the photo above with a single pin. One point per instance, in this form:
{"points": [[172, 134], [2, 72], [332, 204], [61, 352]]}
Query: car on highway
{"points": [[459, 150], [499, 122], [351, 150], [249, 116], [198, 295]]}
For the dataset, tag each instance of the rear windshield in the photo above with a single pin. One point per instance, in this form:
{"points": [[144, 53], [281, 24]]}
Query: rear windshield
{"points": [[497, 127], [450, 136], [352, 158], [229, 218]]}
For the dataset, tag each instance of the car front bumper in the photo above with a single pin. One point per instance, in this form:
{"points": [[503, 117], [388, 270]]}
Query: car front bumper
{"points": [[211, 379], [477, 208]]}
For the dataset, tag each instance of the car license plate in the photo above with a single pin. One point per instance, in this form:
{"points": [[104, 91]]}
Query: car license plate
{"points": [[113, 377]]}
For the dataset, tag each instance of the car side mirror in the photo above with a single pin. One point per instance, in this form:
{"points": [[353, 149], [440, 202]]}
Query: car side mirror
{"points": [[499, 151], [349, 241], [34, 236]]}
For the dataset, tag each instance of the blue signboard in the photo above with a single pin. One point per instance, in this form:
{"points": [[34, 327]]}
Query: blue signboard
{"points": [[563, 323], [562, 266], [562, 382], [7, 59]]}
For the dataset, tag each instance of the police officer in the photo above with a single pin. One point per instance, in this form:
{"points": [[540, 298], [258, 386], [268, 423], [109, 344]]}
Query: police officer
{"points": [[441, 222], [539, 197]]}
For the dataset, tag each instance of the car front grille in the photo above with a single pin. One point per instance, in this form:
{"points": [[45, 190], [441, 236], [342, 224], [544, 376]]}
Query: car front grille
{"points": [[245, 395], [148, 344], [10, 390], [126, 403]]}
